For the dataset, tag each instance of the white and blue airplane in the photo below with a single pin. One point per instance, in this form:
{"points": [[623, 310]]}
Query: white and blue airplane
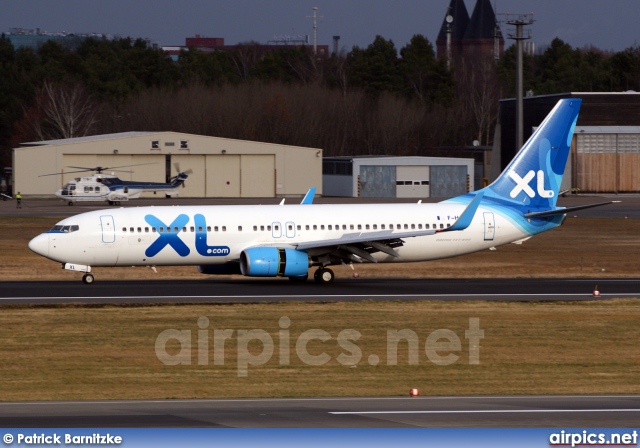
{"points": [[288, 240]]}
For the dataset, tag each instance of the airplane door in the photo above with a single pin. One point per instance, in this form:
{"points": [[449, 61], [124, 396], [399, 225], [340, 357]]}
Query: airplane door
{"points": [[290, 229], [489, 226], [276, 230], [108, 229]]}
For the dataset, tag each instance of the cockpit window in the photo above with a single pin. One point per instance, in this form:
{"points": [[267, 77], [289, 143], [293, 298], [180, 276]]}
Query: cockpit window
{"points": [[64, 229]]}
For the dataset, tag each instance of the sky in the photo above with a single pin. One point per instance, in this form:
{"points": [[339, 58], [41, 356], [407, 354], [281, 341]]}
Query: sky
{"points": [[606, 24]]}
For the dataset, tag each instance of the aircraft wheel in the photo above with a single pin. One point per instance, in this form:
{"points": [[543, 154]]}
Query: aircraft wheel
{"points": [[323, 275], [70, 202], [300, 279], [87, 279], [110, 202], [117, 202]]}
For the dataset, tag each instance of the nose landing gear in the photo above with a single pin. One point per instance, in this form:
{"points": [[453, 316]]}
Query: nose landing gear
{"points": [[87, 278]]}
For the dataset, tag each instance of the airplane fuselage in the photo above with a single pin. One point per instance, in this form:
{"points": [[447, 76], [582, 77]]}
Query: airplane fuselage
{"points": [[209, 235]]}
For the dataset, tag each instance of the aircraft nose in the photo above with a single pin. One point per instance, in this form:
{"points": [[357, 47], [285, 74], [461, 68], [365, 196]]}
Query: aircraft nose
{"points": [[40, 245]]}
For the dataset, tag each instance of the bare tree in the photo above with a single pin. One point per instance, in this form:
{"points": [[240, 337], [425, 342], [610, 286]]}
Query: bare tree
{"points": [[66, 111]]}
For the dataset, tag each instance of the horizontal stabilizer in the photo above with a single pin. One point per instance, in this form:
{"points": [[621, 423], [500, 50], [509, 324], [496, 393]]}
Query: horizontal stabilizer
{"points": [[563, 211]]}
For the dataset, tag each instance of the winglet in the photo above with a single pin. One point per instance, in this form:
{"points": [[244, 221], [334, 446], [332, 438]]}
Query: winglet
{"points": [[467, 215], [308, 198]]}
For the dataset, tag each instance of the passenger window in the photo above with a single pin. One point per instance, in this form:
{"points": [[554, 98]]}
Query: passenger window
{"points": [[321, 226], [161, 229], [192, 229], [224, 228], [419, 226], [442, 226], [184, 229], [351, 226], [239, 228], [269, 228], [359, 226], [199, 228], [124, 229], [139, 229], [413, 226], [375, 226], [146, 229], [406, 226], [382, 226], [299, 227], [131, 229], [315, 227], [366, 227], [306, 227], [262, 228], [255, 228], [290, 227], [153, 229], [208, 228], [215, 228], [330, 228], [175, 229]]}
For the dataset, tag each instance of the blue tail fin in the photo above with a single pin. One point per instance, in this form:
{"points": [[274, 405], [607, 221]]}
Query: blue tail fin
{"points": [[534, 176]]}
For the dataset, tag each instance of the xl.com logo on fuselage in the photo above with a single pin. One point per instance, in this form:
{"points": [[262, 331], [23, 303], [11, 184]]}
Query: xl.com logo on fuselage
{"points": [[168, 238]]}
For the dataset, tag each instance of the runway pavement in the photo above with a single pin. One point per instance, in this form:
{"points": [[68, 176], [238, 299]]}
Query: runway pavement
{"points": [[281, 290], [389, 412]]}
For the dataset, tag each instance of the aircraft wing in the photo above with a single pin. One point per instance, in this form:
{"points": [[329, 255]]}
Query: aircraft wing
{"points": [[363, 244]]}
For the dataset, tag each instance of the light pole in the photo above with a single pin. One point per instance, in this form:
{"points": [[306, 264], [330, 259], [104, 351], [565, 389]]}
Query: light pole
{"points": [[519, 22]]}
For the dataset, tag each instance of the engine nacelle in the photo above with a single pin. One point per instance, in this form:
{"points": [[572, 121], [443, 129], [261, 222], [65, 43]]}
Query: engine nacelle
{"points": [[273, 262], [220, 269]]}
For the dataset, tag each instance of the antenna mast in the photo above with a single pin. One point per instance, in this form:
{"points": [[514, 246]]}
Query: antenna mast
{"points": [[315, 29]]}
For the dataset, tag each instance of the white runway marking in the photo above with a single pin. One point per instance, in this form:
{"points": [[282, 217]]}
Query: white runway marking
{"points": [[487, 411], [325, 296]]}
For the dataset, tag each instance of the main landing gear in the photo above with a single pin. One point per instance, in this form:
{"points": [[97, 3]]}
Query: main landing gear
{"points": [[323, 275]]}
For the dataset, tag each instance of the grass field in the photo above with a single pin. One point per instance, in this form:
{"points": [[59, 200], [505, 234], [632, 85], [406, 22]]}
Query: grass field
{"points": [[109, 352], [73, 353]]}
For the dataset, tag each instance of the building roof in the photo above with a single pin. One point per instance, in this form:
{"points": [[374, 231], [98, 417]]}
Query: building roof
{"points": [[482, 24], [458, 11], [607, 130], [89, 138]]}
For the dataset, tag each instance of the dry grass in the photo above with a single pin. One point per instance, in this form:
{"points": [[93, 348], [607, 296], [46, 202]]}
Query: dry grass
{"points": [[69, 353]]}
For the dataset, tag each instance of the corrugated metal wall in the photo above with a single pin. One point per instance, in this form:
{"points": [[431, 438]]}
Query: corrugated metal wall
{"points": [[607, 163]]}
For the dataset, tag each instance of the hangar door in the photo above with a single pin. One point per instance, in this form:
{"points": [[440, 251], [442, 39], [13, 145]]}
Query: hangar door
{"points": [[235, 175], [412, 181]]}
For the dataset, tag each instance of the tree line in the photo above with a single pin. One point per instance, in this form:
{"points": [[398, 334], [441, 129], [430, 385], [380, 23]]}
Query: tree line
{"points": [[368, 101]]}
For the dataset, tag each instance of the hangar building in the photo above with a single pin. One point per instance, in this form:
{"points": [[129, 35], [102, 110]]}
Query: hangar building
{"points": [[397, 177], [221, 167]]}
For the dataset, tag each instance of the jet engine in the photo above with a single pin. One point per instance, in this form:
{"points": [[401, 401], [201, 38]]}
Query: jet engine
{"points": [[273, 261]]}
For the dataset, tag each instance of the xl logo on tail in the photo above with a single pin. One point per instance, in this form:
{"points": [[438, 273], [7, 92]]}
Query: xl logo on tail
{"points": [[522, 184]]}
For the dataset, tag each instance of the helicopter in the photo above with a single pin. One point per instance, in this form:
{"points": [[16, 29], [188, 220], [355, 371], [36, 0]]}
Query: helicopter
{"points": [[110, 188]]}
